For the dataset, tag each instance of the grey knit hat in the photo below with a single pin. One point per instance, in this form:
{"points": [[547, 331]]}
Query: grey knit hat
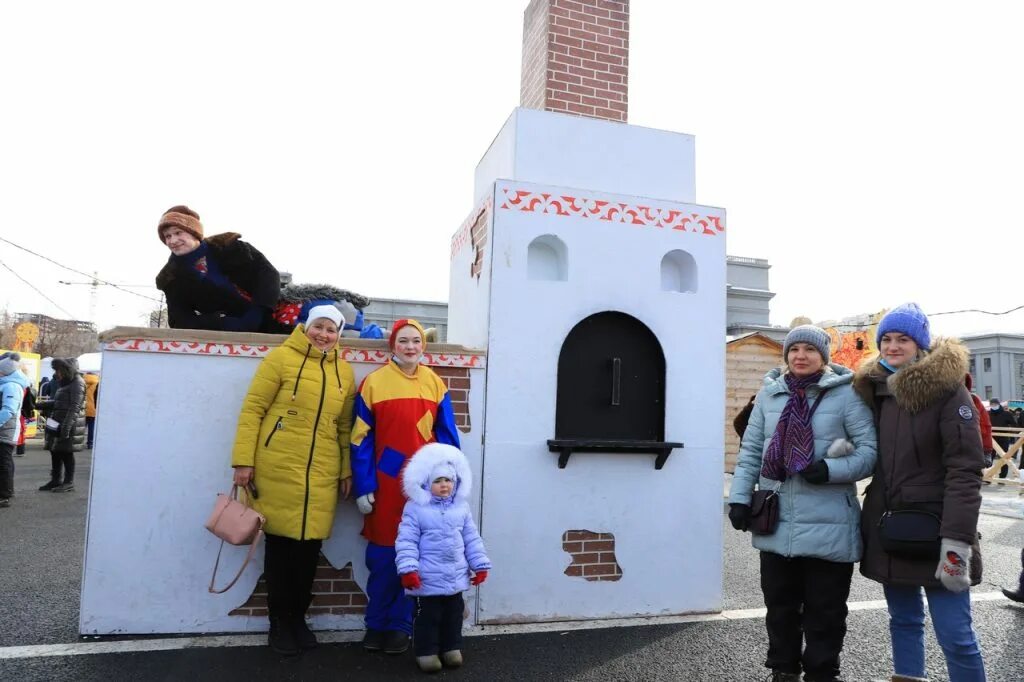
{"points": [[808, 333], [9, 362]]}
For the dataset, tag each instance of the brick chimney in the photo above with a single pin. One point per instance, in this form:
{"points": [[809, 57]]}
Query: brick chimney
{"points": [[576, 57]]}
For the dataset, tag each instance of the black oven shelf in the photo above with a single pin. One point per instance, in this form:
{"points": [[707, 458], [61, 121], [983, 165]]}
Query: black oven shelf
{"points": [[566, 446]]}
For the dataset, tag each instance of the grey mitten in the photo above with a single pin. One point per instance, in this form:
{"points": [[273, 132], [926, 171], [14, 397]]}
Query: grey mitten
{"points": [[954, 569]]}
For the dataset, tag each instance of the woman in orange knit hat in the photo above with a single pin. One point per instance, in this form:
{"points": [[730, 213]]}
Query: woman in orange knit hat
{"points": [[399, 408]]}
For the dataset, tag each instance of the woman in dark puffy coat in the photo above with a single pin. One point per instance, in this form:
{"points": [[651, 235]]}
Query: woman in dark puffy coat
{"points": [[66, 412], [930, 459]]}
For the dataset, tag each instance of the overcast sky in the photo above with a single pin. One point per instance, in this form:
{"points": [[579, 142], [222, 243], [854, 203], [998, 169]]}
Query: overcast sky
{"points": [[872, 152]]}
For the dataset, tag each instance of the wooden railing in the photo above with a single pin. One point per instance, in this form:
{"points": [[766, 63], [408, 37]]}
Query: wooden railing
{"points": [[1005, 457]]}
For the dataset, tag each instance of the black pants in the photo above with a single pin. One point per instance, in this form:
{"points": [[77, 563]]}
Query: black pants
{"points": [[289, 567], [806, 600], [438, 624], [90, 428], [62, 461], [6, 471]]}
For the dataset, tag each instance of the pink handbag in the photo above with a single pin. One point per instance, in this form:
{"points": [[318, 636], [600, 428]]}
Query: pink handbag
{"points": [[237, 523]]}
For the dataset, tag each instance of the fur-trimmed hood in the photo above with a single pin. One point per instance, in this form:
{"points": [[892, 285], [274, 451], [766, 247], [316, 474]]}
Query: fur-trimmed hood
{"points": [[920, 384], [300, 293], [416, 476]]}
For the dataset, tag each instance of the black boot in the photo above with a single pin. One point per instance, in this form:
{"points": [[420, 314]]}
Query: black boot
{"points": [[54, 481], [373, 640], [281, 638], [304, 637], [395, 642]]}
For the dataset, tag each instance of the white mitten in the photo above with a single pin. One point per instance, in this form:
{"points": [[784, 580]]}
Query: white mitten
{"points": [[840, 447], [365, 503], [954, 568]]}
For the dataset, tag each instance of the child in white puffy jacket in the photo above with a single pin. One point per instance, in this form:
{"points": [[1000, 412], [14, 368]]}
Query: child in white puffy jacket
{"points": [[437, 550]]}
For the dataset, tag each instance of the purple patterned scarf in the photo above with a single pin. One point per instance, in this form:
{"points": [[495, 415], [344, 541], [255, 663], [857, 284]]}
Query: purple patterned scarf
{"points": [[792, 446]]}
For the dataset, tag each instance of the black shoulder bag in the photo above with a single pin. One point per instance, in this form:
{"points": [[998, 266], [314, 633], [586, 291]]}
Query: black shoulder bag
{"points": [[909, 533], [764, 504]]}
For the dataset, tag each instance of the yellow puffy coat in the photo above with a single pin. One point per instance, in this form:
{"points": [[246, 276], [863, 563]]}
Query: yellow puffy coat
{"points": [[92, 382], [297, 413]]}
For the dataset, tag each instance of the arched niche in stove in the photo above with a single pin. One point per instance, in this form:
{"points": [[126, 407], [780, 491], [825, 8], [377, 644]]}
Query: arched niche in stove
{"points": [[547, 259], [611, 390], [679, 272]]}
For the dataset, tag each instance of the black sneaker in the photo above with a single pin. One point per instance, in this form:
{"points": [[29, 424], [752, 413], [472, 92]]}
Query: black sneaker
{"points": [[63, 488], [281, 638], [1014, 596], [49, 486], [5, 502], [373, 640], [395, 642], [304, 637]]}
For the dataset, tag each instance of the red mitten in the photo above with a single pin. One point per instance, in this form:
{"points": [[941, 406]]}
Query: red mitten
{"points": [[478, 578], [411, 581]]}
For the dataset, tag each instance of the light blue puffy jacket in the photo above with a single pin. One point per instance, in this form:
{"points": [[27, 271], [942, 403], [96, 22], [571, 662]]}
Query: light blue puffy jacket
{"points": [[12, 392], [437, 536], [821, 521]]}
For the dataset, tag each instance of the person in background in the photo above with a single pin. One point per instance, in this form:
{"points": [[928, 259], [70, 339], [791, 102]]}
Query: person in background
{"points": [[47, 387], [219, 282], [92, 393], [1000, 417], [984, 423], [400, 408], [810, 439], [28, 411], [12, 391], [930, 460], [65, 424]]}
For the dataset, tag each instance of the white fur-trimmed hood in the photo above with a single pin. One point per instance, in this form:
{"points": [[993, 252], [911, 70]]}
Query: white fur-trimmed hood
{"points": [[416, 476]]}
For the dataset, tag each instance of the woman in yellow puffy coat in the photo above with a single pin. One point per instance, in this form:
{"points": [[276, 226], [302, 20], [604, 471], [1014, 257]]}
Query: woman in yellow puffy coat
{"points": [[289, 450]]}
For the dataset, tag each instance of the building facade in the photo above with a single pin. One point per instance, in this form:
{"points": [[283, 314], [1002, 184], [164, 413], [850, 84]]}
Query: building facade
{"points": [[997, 365]]}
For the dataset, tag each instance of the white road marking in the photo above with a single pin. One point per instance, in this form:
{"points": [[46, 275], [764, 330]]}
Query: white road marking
{"points": [[217, 641]]}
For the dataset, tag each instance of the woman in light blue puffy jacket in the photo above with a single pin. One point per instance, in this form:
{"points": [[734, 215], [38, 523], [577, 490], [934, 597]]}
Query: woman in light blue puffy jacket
{"points": [[437, 547], [811, 439]]}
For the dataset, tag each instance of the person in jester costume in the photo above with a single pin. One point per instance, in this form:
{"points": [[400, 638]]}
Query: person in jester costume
{"points": [[399, 408]]}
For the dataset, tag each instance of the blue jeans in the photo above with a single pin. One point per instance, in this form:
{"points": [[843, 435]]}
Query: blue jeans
{"points": [[951, 618]]}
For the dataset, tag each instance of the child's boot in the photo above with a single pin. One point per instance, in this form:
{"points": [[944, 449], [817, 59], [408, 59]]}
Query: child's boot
{"points": [[429, 664], [452, 659]]}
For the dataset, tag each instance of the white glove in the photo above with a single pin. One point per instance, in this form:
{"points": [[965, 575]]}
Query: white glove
{"points": [[954, 568], [365, 503]]}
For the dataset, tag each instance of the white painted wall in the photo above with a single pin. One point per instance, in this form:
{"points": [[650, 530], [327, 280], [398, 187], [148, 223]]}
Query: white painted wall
{"points": [[469, 297], [667, 523], [168, 427], [572, 151]]}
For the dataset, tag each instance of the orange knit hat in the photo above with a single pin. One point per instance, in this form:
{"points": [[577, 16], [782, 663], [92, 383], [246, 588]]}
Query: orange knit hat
{"points": [[183, 218], [405, 323]]}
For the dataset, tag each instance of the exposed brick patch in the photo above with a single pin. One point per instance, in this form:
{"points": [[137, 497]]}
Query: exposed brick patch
{"points": [[593, 555], [457, 379], [564, 40], [478, 238], [334, 592]]}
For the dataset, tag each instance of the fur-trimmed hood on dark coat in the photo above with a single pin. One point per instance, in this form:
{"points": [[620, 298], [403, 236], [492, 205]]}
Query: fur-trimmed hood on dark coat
{"points": [[930, 457]]}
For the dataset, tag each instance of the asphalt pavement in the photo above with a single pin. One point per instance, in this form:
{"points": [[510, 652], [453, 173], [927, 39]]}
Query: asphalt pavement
{"points": [[42, 537]]}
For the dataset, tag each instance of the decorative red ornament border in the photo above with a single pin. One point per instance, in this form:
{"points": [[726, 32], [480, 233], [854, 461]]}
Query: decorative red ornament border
{"points": [[464, 233], [242, 350], [611, 211]]}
